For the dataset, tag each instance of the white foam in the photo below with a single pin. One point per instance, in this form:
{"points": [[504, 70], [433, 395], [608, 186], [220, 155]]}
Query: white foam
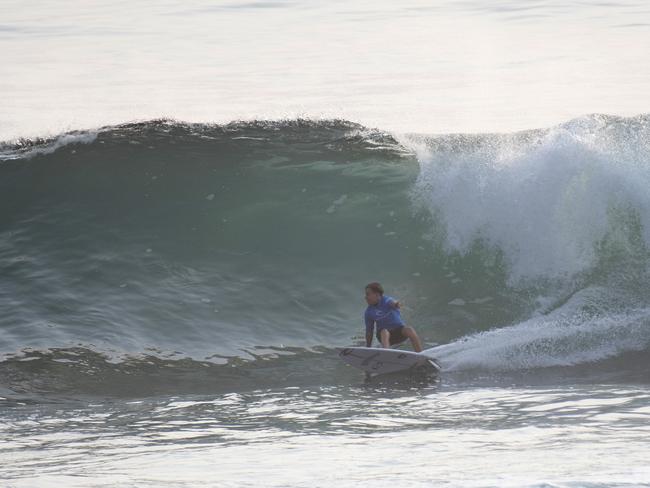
{"points": [[565, 337], [336, 203], [544, 201]]}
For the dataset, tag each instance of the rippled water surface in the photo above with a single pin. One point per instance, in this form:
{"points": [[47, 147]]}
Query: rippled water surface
{"points": [[326, 436]]}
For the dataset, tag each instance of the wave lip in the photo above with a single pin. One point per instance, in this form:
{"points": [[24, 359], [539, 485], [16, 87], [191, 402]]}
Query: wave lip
{"points": [[328, 134], [29, 148]]}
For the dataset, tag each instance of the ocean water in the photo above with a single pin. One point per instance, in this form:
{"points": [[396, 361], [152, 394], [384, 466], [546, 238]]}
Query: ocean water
{"points": [[194, 194]]}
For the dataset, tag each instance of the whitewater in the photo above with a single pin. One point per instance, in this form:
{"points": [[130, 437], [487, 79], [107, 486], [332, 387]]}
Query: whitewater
{"points": [[194, 195]]}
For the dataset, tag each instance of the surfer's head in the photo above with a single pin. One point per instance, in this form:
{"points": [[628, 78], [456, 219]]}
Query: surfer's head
{"points": [[374, 292]]}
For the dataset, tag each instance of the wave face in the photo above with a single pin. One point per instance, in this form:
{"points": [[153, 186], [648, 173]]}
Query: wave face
{"points": [[161, 243]]}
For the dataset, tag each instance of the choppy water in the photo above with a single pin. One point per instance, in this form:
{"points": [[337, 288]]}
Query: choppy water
{"points": [[340, 435], [172, 292]]}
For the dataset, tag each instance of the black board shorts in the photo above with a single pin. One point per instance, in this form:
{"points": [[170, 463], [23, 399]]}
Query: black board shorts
{"points": [[396, 335]]}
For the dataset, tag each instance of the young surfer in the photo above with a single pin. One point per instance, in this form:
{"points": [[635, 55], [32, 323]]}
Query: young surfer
{"points": [[383, 311]]}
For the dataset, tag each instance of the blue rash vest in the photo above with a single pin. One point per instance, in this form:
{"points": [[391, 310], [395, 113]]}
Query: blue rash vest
{"points": [[384, 314]]}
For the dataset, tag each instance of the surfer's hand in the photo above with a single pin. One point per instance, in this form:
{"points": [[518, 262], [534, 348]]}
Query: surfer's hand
{"points": [[396, 304]]}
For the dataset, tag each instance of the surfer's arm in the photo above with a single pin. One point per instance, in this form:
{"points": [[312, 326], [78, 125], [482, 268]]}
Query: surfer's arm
{"points": [[370, 328], [368, 338], [394, 303]]}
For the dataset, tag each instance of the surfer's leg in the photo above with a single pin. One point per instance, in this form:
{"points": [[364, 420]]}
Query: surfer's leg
{"points": [[415, 340], [384, 337]]}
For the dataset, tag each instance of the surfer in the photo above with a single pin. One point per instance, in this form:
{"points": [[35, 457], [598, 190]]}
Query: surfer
{"points": [[384, 312]]}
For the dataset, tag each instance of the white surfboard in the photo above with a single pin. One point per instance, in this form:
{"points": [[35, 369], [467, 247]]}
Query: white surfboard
{"points": [[379, 360]]}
